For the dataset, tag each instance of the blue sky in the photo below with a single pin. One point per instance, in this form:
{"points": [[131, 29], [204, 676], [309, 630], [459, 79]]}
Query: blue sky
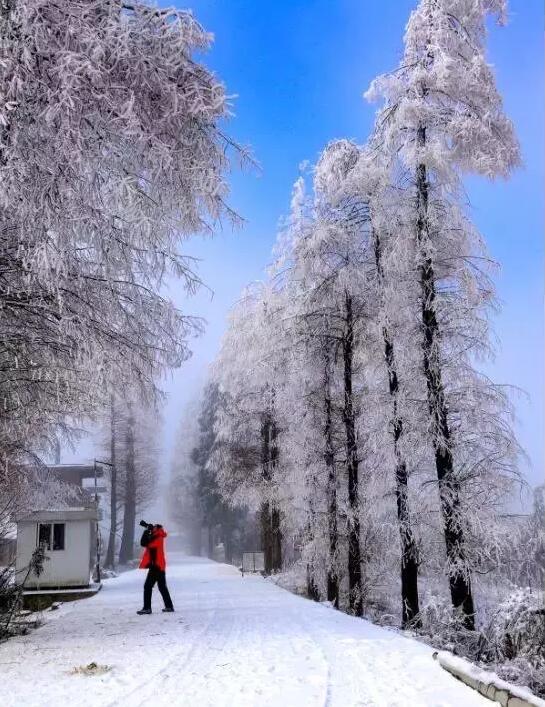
{"points": [[298, 69]]}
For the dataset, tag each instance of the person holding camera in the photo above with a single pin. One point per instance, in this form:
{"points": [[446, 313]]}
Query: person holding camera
{"points": [[154, 560]]}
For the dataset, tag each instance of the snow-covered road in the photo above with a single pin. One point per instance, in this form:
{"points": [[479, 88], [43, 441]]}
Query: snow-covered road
{"points": [[233, 642]]}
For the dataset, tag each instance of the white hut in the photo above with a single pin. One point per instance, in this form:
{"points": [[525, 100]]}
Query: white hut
{"points": [[69, 539]]}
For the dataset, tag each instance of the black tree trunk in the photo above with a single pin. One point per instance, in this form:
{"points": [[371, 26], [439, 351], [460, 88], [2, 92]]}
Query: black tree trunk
{"points": [[409, 555], [266, 535], [271, 535], [276, 530], [332, 577], [449, 492], [266, 520], [110, 553], [354, 549], [312, 588], [126, 551]]}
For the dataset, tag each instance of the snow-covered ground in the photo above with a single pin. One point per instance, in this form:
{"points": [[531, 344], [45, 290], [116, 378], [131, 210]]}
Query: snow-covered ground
{"points": [[233, 641]]}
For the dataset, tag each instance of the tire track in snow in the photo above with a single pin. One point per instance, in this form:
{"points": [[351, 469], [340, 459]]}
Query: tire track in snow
{"points": [[150, 682], [253, 651], [182, 682]]}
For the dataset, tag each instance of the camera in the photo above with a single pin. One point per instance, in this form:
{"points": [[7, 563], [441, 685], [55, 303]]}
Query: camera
{"points": [[149, 526]]}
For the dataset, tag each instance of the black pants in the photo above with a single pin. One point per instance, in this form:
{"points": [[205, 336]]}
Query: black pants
{"points": [[156, 575]]}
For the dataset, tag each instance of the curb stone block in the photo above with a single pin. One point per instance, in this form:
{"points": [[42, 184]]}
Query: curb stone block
{"points": [[486, 683], [501, 696]]}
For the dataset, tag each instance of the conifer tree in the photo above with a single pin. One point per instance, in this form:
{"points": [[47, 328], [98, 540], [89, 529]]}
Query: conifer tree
{"points": [[442, 118]]}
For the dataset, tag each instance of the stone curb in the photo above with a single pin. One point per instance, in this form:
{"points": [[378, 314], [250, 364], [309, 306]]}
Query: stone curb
{"points": [[487, 684]]}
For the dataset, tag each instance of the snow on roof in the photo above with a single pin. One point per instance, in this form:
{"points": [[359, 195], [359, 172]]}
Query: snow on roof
{"points": [[80, 513]]}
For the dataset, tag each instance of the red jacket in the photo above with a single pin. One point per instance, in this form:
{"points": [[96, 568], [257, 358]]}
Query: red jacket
{"points": [[154, 552]]}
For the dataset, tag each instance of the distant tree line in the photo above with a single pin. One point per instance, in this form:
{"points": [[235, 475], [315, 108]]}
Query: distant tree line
{"points": [[207, 520]]}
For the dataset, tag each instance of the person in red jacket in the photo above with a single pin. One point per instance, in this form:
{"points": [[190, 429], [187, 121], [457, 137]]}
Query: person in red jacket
{"points": [[154, 560]]}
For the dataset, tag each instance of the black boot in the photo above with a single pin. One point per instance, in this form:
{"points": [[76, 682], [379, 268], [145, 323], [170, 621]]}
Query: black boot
{"points": [[143, 611], [168, 610]]}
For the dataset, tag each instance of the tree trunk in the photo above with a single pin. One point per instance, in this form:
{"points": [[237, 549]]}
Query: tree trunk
{"points": [[57, 451], [210, 542], [227, 536], [276, 531], [126, 551], [409, 552], [271, 535], [449, 491], [266, 536], [265, 515], [110, 553], [354, 550], [409, 555], [312, 588], [332, 578]]}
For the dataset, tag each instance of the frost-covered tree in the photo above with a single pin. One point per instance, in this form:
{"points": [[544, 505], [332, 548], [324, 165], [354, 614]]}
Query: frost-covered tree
{"points": [[356, 178], [529, 550], [328, 303], [307, 343], [196, 500], [225, 522], [246, 462], [332, 255], [442, 118], [111, 153], [134, 443], [183, 503]]}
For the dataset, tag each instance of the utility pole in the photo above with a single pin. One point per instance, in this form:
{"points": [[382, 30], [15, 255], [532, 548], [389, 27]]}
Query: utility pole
{"points": [[97, 533], [110, 553], [97, 526]]}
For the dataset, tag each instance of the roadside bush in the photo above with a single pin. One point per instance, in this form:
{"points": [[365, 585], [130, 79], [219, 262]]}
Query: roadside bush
{"points": [[11, 589], [512, 643], [515, 639]]}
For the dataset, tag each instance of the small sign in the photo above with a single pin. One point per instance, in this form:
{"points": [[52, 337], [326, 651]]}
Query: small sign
{"points": [[253, 562]]}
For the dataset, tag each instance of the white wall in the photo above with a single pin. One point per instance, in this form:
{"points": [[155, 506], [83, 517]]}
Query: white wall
{"points": [[67, 567]]}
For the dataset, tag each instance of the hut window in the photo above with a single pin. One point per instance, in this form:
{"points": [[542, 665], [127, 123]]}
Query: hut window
{"points": [[44, 535], [46, 530], [58, 536]]}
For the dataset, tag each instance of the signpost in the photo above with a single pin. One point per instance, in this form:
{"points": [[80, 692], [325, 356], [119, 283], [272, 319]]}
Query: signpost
{"points": [[253, 562], [96, 461]]}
